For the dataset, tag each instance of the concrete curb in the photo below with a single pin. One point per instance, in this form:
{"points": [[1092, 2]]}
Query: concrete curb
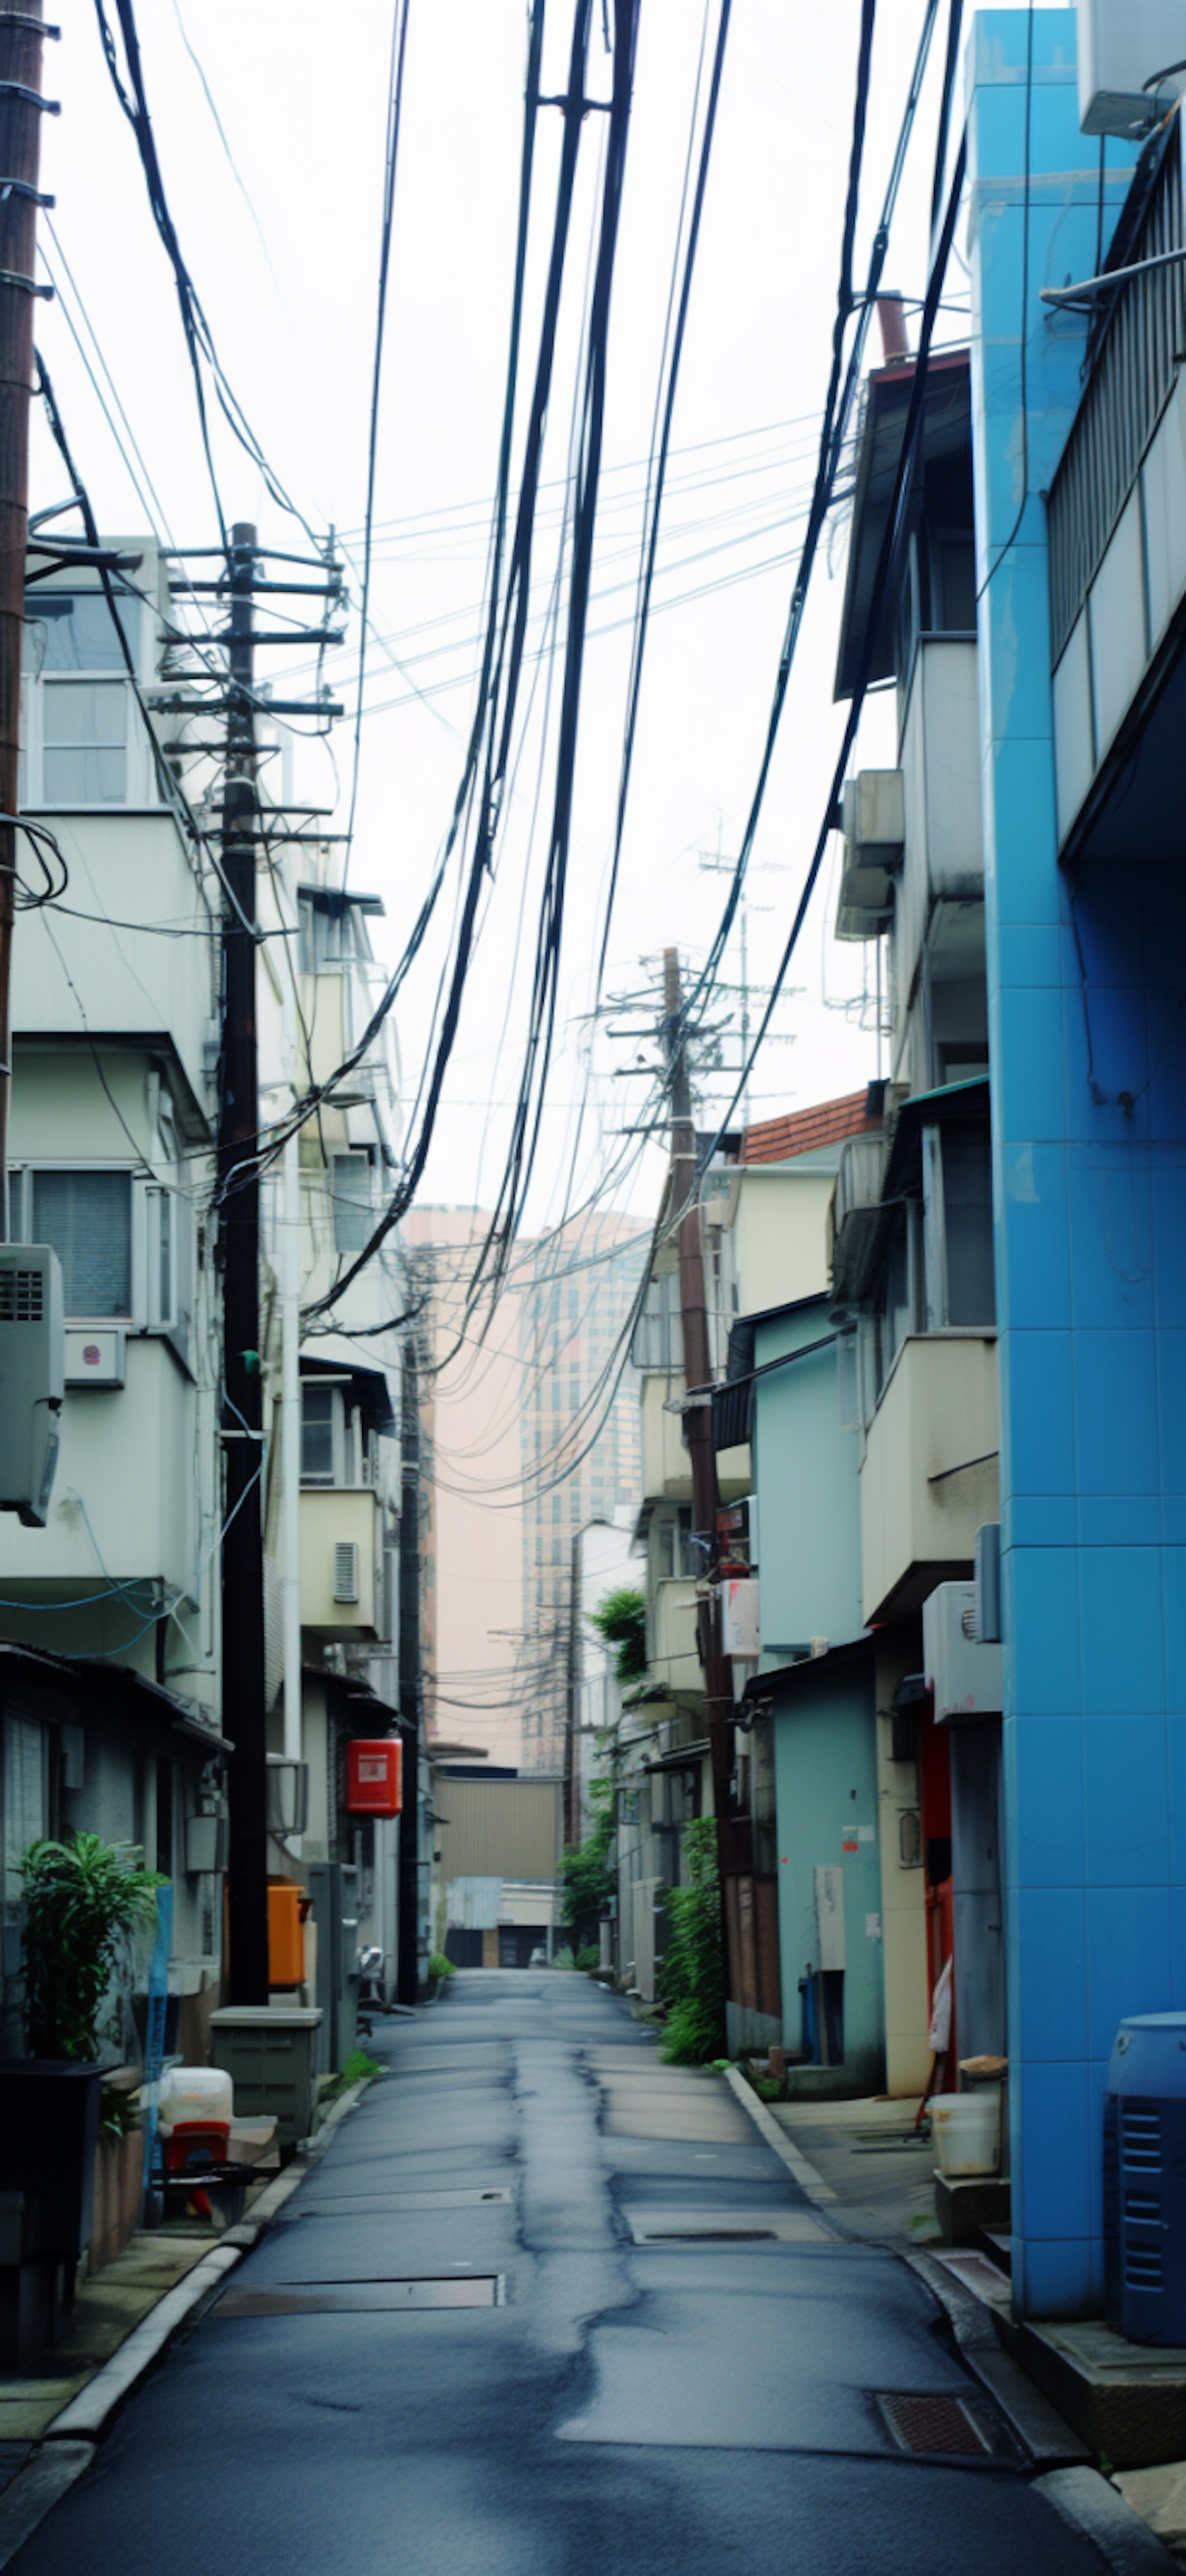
{"points": [[804, 2173], [1091, 2505], [36, 2491], [1035, 2424]]}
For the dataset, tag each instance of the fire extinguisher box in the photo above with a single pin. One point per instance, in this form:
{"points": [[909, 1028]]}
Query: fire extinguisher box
{"points": [[374, 1777]]}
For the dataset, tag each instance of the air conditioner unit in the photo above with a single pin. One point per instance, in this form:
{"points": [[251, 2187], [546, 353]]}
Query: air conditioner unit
{"points": [[346, 1570], [32, 1370], [965, 1676], [1123, 46], [96, 1359], [873, 821]]}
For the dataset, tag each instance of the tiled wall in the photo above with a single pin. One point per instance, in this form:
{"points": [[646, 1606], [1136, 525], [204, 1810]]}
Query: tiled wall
{"points": [[1091, 1237]]}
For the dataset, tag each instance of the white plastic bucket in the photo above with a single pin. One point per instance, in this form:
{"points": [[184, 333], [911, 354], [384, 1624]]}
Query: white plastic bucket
{"points": [[196, 2093], [966, 2132]]}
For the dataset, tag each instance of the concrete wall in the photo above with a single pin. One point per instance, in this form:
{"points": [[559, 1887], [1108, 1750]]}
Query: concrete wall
{"points": [[825, 1763], [922, 1498], [666, 1466], [780, 1232], [940, 759], [809, 1537]]}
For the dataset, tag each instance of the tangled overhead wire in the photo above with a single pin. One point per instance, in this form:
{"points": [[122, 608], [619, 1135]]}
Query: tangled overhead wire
{"points": [[47, 857]]}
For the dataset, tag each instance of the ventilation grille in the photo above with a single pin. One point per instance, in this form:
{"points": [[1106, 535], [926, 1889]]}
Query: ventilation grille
{"points": [[1140, 2140], [346, 1570], [22, 1296], [934, 2424], [1143, 2267]]}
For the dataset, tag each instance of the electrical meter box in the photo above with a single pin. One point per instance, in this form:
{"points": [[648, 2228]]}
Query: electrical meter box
{"points": [[32, 1366], [374, 1777], [1130, 64]]}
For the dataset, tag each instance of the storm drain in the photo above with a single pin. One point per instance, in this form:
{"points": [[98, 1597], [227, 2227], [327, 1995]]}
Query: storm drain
{"points": [[651, 2226], [356, 2298], [365, 2204], [934, 2425], [708, 2236]]}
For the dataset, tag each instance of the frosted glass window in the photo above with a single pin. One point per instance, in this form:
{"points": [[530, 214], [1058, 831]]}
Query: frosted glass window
{"points": [[26, 1802], [317, 1435], [85, 754], [87, 1216], [353, 1209]]}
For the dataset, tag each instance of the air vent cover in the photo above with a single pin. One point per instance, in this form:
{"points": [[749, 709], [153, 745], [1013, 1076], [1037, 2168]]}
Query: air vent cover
{"points": [[22, 1296], [346, 1570]]}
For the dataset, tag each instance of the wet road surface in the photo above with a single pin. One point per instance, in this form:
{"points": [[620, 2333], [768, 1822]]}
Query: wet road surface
{"points": [[643, 2349]]}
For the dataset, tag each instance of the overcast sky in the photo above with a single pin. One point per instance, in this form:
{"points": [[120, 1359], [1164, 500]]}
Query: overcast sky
{"points": [[280, 223]]}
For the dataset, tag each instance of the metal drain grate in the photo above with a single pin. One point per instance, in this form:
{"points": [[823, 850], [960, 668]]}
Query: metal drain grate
{"points": [[355, 2298], [709, 2236], [364, 2204], [934, 2425]]}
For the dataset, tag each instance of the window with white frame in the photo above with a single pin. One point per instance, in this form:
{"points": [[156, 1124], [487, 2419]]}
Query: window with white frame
{"points": [[332, 1440], [124, 1242], [83, 743]]}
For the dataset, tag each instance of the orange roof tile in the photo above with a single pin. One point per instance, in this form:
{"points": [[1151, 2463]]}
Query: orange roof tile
{"points": [[804, 1131]]}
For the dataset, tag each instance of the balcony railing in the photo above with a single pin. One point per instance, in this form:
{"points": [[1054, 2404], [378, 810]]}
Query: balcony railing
{"points": [[1134, 358]]}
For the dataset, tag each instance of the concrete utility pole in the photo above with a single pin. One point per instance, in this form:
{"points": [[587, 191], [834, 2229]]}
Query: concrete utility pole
{"points": [[243, 1687], [21, 110], [411, 1693], [732, 1832]]}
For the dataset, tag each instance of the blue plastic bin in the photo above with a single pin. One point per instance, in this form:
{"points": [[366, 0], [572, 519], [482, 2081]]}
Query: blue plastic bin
{"points": [[1145, 2179]]}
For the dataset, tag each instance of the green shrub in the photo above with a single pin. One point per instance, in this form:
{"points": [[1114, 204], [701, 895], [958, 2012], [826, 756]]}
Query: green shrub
{"points": [[692, 1978], [84, 1899], [564, 1958], [589, 1882], [589, 1957], [621, 1620], [440, 1966]]}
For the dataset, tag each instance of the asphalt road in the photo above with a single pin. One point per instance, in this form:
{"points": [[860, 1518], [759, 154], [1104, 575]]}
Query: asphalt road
{"points": [[601, 2403]]}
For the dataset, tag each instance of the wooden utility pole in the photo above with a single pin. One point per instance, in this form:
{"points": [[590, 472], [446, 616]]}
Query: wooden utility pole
{"points": [[732, 1832], [21, 110], [243, 1683]]}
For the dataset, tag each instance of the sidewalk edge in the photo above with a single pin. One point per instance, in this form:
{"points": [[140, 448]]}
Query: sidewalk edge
{"points": [[1037, 2425], [1091, 2505], [36, 2491], [804, 2173]]}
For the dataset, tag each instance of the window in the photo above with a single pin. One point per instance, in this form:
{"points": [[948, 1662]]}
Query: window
{"points": [[327, 932], [87, 1217], [895, 1305], [317, 1434], [79, 730], [961, 1286], [353, 1212], [26, 1796]]}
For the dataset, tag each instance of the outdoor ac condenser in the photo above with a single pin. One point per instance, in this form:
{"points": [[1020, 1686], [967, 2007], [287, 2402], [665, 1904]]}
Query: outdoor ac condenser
{"points": [[1124, 45], [964, 1675], [32, 1364]]}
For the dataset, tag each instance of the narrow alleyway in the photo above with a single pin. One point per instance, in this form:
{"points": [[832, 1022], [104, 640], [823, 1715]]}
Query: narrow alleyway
{"points": [[605, 2383]]}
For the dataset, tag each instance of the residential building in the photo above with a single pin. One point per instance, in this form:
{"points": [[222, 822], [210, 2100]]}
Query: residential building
{"points": [[1081, 490]]}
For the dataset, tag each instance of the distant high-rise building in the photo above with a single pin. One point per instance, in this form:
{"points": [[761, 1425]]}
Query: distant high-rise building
{"points": [[580, 1443]]}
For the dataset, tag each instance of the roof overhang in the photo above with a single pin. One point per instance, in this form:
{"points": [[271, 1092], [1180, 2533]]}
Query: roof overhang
{"points": [[946, 430]]}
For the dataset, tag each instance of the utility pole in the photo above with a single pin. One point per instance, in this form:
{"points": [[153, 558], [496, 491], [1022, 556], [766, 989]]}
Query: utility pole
{"points": [[411, 1692], [243, 1686], [732, 1831], [21, 111]]}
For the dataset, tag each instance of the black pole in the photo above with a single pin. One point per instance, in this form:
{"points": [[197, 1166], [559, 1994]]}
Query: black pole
{"points": [[243, 1701], [411, 1694]]}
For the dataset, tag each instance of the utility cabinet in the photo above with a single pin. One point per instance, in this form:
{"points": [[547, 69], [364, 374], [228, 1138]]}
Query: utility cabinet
{"points": [[1145, 2180]]}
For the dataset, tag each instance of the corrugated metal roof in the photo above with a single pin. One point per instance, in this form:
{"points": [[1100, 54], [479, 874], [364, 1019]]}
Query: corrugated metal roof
{"points": [[499, 1828]]}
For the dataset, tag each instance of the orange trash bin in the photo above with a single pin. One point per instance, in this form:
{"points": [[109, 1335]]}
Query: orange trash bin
{"points": [[286, 1937]]}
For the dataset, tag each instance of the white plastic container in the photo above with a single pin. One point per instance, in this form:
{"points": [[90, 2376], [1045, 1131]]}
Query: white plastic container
{"points": [[966, 2132], [196, 2093]]}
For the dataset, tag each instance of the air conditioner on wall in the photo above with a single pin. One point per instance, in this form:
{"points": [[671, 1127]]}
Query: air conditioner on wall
{"points": [[31, 1377], [1124, 45], [963, 1674]]}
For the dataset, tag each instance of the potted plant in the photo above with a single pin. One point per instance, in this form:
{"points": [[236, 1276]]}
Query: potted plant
{"points": [[83, 1897]]}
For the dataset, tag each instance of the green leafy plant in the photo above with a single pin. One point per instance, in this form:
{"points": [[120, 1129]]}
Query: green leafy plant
{"points": [[440, 1966], [588, 1879], [621, 1620], [84, 1899], [589, 1956], [692, 1978], [118, 2112], [357, 2064]]}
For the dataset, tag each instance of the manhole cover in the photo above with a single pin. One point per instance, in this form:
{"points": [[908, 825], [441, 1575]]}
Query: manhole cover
{"points": [[934, 2424], [337, 2298]]}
